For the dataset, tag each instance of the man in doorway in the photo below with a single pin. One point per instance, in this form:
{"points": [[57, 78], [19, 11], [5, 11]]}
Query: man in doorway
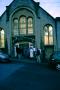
{"points": [[38, 55]]}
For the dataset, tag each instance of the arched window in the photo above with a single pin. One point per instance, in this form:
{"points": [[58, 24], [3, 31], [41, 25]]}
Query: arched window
{"points": [[30, 25], [23, 25], [15, 27], [48, 35], [2, 39]]}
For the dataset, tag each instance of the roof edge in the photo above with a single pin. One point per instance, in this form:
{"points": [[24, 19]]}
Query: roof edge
{"points": [[47, 13], [57, 18]]}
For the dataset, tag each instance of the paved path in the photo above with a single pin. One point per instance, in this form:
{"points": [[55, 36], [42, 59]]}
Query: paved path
{"points": [[8, 69], [32, 77]]}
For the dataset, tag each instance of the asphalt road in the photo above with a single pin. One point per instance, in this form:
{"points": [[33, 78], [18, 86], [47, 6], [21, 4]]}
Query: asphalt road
{"points": [[32, 77], [7, 69]]}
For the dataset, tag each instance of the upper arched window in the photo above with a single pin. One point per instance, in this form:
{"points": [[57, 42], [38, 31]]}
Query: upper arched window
{"points": [[2, 39], [30, 25], [15, 27], [48, 35], [23, 25]]}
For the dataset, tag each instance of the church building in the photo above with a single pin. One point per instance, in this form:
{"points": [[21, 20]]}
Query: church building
{"points": [[23, 23]]}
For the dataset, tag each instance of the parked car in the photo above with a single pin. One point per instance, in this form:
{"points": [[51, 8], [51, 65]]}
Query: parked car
{"points": [[4, 57], [54, 60]]}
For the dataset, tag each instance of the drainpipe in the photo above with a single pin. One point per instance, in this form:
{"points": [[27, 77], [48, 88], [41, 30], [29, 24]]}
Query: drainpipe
{"points": [[56, 34]]}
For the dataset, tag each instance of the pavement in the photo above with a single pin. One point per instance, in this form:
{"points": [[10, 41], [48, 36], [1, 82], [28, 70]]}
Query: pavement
{"points": [[7, 69], [23, 60], [28, 61], [31, 77]]}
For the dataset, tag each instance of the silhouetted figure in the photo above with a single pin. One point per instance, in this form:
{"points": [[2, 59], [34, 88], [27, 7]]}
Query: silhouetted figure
{"points": [[17, 50], [43, 55], [38, 55]]}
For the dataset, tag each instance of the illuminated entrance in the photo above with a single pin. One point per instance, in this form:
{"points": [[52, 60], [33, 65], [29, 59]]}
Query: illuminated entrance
{"points": [[22, 42]]}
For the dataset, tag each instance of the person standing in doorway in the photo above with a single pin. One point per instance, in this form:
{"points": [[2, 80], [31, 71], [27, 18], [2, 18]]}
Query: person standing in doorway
{"points": [[38, 55], [17, 50], [31, 53]]}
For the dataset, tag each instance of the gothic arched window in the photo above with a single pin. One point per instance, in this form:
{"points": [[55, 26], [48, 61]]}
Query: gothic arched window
{"points": [[23, 25], [48, 35], [30, 25], [15, 27], [2, 39]]}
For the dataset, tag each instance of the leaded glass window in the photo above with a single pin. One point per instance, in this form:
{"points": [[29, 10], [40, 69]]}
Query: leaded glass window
{"points": [[30, 26], [2, 39], [23, 25], [48, 35], [15, 27]]}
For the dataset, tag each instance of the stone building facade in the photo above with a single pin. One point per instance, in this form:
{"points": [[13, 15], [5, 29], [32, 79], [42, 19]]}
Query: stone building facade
{"points": [[25, 22]]}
